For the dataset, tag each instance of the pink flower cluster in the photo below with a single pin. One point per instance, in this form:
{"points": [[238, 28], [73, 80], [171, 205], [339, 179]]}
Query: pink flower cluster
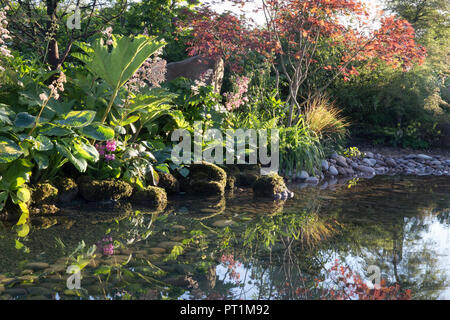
{"points": [[56, 87], [4, 35], [237, 98], [108, 33], [205, 77], [106, 246], [110, 147], [152, 71]]}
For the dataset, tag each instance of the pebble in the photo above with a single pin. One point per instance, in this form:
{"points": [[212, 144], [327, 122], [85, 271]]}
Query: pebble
{"points": [[312, 180], [303, 175], [333, 171], [412, 164], [37, 265], [366, 169], [223, 223]]}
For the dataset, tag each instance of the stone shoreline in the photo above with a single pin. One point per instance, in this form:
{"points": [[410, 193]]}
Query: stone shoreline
{"points": [[369, 165]]}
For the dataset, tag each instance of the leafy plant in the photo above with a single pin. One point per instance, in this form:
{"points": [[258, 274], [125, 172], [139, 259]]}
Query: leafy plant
{"points": [[117, 63]]}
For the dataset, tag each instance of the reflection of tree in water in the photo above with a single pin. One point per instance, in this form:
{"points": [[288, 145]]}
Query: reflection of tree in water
{"points": [[380, 227], [389, 230]]}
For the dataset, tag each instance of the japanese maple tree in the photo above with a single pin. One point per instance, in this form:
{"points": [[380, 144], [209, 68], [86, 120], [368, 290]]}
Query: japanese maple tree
{"points": [[293, 32]]}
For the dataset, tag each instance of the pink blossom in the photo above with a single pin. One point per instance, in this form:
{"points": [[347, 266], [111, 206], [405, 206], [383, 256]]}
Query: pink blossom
{"points": [[153, 72], [109, 157], [43, 97], [238, 98], [57, 86], [111, 145], [4, 35]]}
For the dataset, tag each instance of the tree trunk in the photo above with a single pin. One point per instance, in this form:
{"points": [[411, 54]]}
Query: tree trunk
{"points": [[53, 51]]}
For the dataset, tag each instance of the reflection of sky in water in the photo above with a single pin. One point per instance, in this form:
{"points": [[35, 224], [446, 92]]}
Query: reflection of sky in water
{"points": [[436, 236]]}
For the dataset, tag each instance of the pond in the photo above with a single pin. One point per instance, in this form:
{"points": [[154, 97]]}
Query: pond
{"points": [[392, 230]]}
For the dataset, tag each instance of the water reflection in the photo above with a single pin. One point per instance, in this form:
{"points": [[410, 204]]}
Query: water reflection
{"points": [[238, 248]]}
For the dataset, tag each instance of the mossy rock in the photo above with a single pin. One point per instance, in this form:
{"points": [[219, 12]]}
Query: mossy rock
{"points": [[231, 181], [231, 169], [205, 171], [246, 179], [245, 167], [207, 188], [153, 196], [269, 185], [103, 190], [11, 212], [168, 182], [43, 222], [206, 179], [67, 189], [44, 209], [44, 193]]}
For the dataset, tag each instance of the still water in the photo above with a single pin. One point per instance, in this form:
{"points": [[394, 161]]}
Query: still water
{"points": [[390, 229]]}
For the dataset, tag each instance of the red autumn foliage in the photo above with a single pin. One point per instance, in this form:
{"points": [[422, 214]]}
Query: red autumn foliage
{"points": [[349, 285], [294, 29]]}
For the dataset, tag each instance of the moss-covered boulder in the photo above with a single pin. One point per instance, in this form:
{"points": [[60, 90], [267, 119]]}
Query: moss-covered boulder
{"points": [[151, 196], [268, 186], [67, 189], [168, 182], [207, 189], [103, 190], [44, 193], [206, 179], [206, 171], [44, 209], [231, 182], [246, 179], [11, 212], [232, 169], [43, 222]]}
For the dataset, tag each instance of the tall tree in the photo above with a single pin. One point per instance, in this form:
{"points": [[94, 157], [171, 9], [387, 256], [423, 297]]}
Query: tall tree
{"points": [[294, 31], [46, 25]]}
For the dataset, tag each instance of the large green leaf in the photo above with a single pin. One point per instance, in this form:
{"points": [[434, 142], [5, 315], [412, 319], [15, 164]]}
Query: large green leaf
{"points": [[42, 160], [9, 150], [18, 173], [5, 114], [24, 194], [56, 131], [24, 120], [43, 143], [77, 119], [87, 151], [118, 64], [79, 162], [98, 131]]}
